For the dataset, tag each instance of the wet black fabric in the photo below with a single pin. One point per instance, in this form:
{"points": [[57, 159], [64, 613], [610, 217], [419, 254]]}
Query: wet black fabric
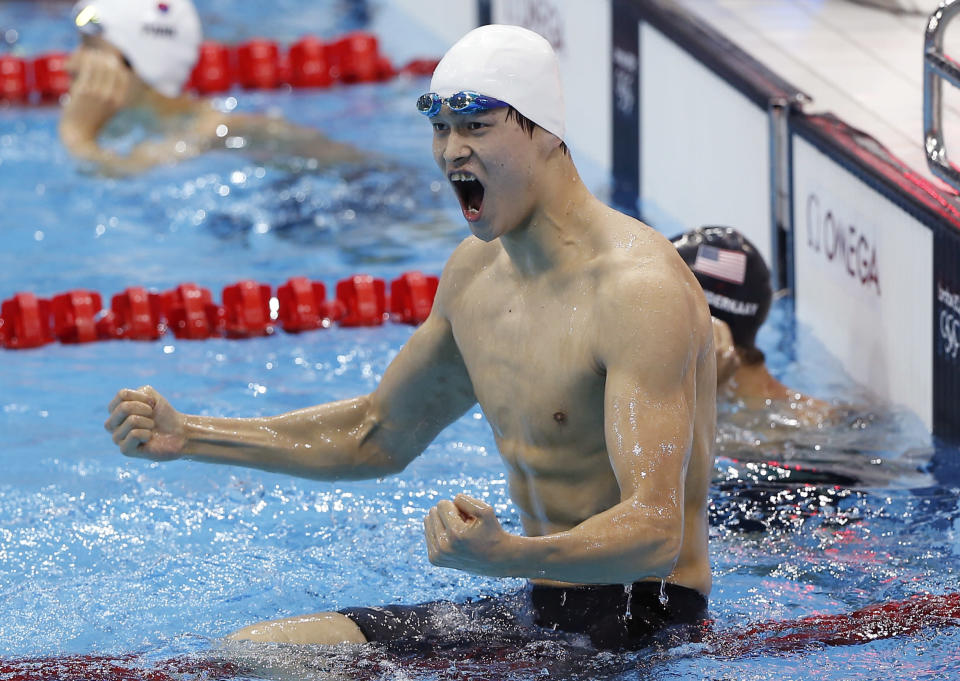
{"points": [[611, 616], [617, 618]]}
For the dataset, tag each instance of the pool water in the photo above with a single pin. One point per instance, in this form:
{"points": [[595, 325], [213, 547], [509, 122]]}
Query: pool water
{"points": [[103, 555]]}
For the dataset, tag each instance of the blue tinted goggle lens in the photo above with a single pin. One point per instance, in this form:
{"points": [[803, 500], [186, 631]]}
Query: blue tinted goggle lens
{"points": [[461, 102]]}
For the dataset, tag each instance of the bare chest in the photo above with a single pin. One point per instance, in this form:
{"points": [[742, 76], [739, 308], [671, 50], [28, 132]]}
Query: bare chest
{"points": [[532, 364]]}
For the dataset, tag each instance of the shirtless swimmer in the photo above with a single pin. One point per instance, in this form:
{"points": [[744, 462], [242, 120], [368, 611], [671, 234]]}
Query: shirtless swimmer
{"points": [[136, 56], [585, 339]]}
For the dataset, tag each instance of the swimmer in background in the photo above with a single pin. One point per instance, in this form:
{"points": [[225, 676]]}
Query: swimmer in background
{"points": [[586, 341], [136, 56], [736, 282]]}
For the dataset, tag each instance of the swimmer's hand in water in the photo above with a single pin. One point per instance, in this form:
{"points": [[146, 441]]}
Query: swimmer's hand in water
{"points": [[144, 425], [465, 534]]}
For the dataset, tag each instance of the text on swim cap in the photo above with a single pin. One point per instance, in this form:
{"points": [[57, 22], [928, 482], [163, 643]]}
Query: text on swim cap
{"points": [[160, 31], [737, 307]]}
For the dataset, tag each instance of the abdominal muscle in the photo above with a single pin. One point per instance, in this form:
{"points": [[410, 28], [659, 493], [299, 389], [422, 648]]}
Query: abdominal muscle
{"points": [[556, 490]]}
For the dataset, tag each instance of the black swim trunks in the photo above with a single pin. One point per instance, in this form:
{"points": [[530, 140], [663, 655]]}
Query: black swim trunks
{"points": [[611, 616]]}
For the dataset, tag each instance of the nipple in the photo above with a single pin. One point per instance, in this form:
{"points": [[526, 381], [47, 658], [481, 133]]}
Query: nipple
{"points": [[663, 593]]}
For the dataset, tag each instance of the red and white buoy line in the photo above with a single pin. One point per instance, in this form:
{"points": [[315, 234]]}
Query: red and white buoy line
{"points": [[248, 309], [257, 64]]}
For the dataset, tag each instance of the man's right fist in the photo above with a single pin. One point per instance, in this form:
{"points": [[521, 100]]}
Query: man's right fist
{"points": [[144, 425]]}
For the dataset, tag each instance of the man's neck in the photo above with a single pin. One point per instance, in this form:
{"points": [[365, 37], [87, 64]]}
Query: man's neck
{"points": [[558, 225]]}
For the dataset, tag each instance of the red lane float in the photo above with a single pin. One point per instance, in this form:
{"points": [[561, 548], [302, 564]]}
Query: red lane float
{"points": [[13, 79], [420, 67], [190, 312], [25, 322], [137, 314], [357, 58], [214, 70], [302, 305], [364, 299], [411, 297], [75, 316], [246, 307], [50, 76], [256, 64], [310, 64]]}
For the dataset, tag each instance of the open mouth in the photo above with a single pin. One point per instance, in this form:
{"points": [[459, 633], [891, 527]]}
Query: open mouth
{"points": [[470, 192]]}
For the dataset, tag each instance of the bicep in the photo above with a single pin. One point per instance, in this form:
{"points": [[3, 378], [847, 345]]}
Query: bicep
{"points": [[649, 433], [650, 403]]}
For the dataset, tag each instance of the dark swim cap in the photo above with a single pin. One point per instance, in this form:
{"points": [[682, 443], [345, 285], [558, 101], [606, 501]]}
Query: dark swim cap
{"points": [[734, 278]]}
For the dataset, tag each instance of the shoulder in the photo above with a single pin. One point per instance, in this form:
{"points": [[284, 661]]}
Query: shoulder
{"points": [[468, 260], [646, 294], [641, 271]]}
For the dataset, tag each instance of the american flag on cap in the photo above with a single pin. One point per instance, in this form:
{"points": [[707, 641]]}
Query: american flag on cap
{"points": [[721, 263]]}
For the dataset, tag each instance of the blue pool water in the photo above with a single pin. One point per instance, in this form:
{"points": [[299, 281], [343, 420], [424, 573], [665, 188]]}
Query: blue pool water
{"points": [[104, 555]]}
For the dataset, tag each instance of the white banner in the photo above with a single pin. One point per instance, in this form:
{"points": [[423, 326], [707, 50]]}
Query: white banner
{"points": [[705, 147], [580, 33], [863, 269], [410, 29]]}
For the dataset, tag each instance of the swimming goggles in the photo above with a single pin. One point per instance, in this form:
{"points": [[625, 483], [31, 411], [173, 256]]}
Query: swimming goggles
{"points": [[88, 21], [462, 102]]}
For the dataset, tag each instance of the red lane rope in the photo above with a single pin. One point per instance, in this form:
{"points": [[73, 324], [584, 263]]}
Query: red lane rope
{"points": [[104, 668], [872, 623], [188, 311], [256, 64]]}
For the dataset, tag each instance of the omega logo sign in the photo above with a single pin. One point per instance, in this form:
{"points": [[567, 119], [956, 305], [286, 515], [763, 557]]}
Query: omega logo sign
{"points": [[541, 16], [843, 244], [949, 320]]}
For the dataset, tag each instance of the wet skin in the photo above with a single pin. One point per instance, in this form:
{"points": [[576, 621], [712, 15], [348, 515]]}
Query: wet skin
{"points": [[103, 86], [586, 341]]}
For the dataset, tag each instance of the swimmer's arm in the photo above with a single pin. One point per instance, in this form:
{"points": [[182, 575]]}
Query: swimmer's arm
{"points": [[273, 135], [98, 90], [425, 388], [649, 405], [142, 157]]}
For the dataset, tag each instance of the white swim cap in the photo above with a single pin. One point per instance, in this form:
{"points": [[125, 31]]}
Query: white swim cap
{"points": [[509, 63], [160, 38]]}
